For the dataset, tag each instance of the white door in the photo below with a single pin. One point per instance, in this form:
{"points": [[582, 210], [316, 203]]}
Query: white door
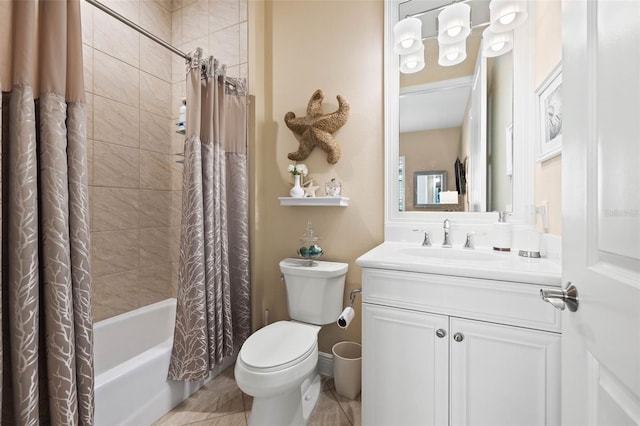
{"points": [[601, 211], [405, 367], [503, 375]]}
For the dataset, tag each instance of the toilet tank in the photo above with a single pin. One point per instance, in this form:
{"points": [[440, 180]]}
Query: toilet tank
{"points": [[314, 293]]}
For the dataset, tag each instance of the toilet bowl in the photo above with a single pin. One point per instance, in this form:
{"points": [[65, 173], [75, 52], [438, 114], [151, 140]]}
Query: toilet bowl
{"points": [[277, 365]]}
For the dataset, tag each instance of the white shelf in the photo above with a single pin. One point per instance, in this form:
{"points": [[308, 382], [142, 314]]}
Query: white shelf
{"points": [[315, 201]]}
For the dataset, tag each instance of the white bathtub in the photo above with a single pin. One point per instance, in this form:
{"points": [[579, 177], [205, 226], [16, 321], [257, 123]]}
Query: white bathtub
{"points": [[131, 356]]}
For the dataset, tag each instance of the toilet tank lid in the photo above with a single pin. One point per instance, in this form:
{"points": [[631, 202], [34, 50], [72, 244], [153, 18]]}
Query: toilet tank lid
{"points": [[319, 269]]}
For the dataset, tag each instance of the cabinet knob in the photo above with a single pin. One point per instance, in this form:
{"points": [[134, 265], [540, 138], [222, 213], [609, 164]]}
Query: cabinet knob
{"points": [[441, 333], [458, 337]]}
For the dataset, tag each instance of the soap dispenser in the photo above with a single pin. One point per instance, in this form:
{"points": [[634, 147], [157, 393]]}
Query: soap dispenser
{"points": [[502, 232]]}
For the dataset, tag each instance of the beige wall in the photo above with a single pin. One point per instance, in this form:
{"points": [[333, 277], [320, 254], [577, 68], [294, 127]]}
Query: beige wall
{"points": [[301, 46], [133, 89], [548, 53], [429, 150]]}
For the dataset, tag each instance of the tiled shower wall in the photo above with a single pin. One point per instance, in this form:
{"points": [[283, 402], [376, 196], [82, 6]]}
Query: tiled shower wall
{"points": [[133, 88]]}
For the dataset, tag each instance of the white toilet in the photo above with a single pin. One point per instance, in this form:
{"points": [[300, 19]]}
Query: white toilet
{"points": [[277, 364]]}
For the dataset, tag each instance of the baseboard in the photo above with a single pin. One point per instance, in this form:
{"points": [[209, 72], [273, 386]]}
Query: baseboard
{"points": [[325, 364]]}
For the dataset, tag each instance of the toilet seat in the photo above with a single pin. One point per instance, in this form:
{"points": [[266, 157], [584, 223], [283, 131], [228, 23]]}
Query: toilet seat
{"points": [[278, 346]]}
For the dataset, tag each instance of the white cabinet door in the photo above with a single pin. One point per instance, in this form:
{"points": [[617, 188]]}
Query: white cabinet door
{"points": [[404, 367], [503, 375]]}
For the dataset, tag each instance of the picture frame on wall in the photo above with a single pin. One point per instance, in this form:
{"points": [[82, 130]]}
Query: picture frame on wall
{"points": [[549, 95]]}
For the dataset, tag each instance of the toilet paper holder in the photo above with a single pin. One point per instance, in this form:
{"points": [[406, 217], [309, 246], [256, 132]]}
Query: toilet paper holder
{"points": [[348, 314]]}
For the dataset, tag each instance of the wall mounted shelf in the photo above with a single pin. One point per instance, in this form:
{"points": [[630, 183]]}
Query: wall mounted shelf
{"points": [[315, 201]]}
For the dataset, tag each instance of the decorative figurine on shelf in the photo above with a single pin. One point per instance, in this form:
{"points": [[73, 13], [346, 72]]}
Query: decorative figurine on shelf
{"points": [[310, 190], [310, 249], [333, 188], [318, 128], [297, 171]]}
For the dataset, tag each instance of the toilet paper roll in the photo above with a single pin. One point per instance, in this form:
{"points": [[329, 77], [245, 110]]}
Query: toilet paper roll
{"points": [[345, 317]]}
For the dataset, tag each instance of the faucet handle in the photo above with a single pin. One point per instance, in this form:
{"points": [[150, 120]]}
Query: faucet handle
{"points": [[427, 237], [469, 243]]}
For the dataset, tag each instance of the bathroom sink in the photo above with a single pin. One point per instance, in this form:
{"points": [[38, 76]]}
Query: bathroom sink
{"points": [[440, 254]]}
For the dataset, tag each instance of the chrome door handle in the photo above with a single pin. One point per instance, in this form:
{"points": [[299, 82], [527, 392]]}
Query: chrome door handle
{"points": [[441, 332], [458, 337], [561, 298]]}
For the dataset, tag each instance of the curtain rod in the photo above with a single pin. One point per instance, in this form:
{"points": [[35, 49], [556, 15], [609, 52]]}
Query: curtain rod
{"points": [[138, 28]]}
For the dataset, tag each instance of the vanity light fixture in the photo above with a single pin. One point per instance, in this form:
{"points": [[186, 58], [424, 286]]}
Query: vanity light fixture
{"points": [[496, 44], [452, 54], [505, 15], [412, 62], [407, 36], [454, 23]]}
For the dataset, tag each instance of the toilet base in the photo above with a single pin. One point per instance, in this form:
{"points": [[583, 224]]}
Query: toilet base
{"points": [[291, 408]]}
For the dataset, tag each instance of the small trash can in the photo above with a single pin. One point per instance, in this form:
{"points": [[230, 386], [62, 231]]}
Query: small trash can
{"points": [[347, 368]]}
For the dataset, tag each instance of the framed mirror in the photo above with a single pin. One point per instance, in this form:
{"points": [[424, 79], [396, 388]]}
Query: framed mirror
{"points": [[427, 187], [518, 172]]}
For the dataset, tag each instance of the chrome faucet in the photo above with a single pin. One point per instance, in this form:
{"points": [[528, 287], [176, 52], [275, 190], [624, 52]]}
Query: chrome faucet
{"points": [[469, 243], [427, 240], [447, 240]]}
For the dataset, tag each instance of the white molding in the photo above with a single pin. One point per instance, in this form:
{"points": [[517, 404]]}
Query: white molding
{"points": [[314, 201], [524, 136], [325, 364]]}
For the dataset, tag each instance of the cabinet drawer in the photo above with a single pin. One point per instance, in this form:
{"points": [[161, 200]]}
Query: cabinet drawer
{"points": [[495, 301]]}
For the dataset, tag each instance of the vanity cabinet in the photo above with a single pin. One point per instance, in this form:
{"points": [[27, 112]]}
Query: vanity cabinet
{"points": [[441, 350]]}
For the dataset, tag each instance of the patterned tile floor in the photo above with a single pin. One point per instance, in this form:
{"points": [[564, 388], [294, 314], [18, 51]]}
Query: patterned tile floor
{"points": [[221, 403]]}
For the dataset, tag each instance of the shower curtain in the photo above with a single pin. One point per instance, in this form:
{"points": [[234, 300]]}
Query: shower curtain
{"points": [[45, 315], [213, 312]]}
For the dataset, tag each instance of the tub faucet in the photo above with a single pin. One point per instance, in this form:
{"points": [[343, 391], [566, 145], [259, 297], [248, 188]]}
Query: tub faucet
{"points": [[447, 240]]}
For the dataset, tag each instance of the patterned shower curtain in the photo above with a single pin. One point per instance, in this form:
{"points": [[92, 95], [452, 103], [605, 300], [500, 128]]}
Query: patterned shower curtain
{"points": [[46, 374], [213, 312]]}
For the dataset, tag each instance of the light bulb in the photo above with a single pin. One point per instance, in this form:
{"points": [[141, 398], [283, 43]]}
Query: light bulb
{"points": [[452, 56], [406, 43], [411, 64], [507, 19], [497, 46]]}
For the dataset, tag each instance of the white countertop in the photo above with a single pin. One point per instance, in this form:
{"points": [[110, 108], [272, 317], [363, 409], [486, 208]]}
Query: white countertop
{"points": [[494, 265]]}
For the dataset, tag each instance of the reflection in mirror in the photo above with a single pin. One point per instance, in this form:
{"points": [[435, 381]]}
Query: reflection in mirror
{"points": [[428, 187], [458, 113]]}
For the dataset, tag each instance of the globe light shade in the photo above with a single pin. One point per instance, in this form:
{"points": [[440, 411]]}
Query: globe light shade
{"points": [[407, 36], [452, 54], [454, 23], [496, 44], [412, 62], [505, 15]]}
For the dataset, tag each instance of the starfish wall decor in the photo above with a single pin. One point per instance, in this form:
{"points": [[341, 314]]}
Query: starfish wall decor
{"points": [[317, 129]]}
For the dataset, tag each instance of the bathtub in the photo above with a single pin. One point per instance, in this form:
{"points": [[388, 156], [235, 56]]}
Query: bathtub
{"points": [[131, 361]]}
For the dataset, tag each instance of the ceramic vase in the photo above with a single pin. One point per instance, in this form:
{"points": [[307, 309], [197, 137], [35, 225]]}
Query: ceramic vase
{"points": [[297, 191]]}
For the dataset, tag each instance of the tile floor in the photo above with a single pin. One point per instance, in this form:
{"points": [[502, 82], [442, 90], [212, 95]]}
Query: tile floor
{"points": [[221, 403]]}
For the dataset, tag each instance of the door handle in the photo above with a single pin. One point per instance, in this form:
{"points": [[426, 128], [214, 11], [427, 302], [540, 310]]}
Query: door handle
{"points": [[561, 298]]}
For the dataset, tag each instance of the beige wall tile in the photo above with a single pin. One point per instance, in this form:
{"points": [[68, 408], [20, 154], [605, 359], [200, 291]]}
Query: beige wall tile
{"points": [[174, 243], [115, 209], [179, 91], [176, 27], [155, 59], [89, 103], [114, 294], [195, 20], [87, 64], [243, 42], [155, 170], [154, 246], [224, 45], [114, 251], [154, 284], [86, 16], [156, 19], [174, 278], [115, 122], [155, 95], [223, 14], [243, 10], [176, 176], [115, 80], [176, 209], [115, 165], [155, 208], [154, 132], [116, 39], [190, 45], [178, 67], [90, 161], [128, 8]]}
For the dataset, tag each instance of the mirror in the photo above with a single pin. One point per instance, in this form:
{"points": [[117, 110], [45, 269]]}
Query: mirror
{"points": [[427, 187], [469, 113]]}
